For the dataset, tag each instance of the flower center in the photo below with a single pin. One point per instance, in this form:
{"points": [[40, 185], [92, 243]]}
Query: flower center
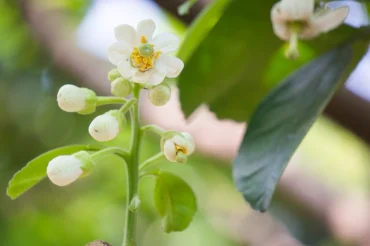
{"points": [[144, 56], [180, 149]]}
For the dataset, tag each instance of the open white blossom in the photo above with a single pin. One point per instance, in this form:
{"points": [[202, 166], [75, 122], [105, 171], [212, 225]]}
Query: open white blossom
{"points": [[142, 58], [105, 127], [298, 19], [64, 169], [177, 148]]}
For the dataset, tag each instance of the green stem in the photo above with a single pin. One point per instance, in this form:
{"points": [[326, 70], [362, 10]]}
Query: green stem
{"points": [[127, 106], [133, 172], [110, 100], [154, 128], [152, 160], [109, 151]]}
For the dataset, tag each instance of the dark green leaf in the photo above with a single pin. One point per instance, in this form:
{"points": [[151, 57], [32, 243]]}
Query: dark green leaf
{"points": [[35, 170], [174, 201], [282, 120], [240, 60]]}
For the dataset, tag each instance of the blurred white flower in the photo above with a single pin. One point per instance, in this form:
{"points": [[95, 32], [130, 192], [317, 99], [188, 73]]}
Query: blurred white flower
{"points": [[105, 127], [178, 147], [75, 99], [64, 170], [142, 58], [298, 19]]}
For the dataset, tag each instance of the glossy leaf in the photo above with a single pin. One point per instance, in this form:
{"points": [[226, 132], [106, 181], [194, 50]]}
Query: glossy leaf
{"points": [[282, 120], [35, 170], [241, 60], [174, 201]]}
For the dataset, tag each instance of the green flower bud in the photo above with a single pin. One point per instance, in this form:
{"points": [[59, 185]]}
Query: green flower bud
{"points": [[107, 126], [75, 99], [121, 87], [160, 94], [114, 74]]}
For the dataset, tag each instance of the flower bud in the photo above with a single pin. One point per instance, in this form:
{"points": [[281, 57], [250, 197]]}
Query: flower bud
{"points": [[106, 127], [114, 74], [160, 94], [177, 146], [121, 87], [75, 99], [65, 169]]}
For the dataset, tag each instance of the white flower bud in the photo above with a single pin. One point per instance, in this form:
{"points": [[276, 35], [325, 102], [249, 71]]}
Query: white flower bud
{"points": [[65, 169], [75, 99], [160, 94], [114, 74], [177, 146], [121, 87], [106, 127]]}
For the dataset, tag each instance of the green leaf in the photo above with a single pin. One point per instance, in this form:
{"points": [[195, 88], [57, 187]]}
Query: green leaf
{"points": [[200, 27], [174, 201], [35, 170], [282, 120], [240, 60]]}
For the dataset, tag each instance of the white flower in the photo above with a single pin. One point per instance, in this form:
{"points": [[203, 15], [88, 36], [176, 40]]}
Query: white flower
{"points": [[64, 169], [298, 19], [178, 147], [74, 99], [105, 127], [142, 58]]}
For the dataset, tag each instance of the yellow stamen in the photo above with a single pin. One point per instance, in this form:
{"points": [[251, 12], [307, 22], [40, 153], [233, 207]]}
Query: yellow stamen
{"points": [[180, 148], [143, 63]]}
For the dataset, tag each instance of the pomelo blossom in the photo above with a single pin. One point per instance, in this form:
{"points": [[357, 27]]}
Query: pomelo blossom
{"points": [[178, 147], [107, 126], [298, 19], [65, 169], [75, 99], [143, 59]]}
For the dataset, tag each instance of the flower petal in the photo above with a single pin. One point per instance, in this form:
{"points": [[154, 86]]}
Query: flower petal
{"points": [[169, 150], [279, 24], [126, 69], [169, 65], [141, 77], [64, 169], [145, 28], [166, 43], [125, 33], [190, 146], [156, 78], [297, 9], [118, 52], [331, 19]]}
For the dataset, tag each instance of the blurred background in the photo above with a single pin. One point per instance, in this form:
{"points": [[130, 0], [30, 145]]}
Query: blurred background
{"points": [[323, 198]]}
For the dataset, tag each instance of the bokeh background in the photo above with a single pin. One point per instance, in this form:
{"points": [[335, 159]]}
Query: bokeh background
{"points": [[323, 198]]}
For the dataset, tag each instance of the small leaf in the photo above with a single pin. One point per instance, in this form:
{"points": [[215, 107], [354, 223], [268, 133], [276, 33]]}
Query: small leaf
{"points": [[174, 201], [282, 120], [35, 170], [184, 8]]}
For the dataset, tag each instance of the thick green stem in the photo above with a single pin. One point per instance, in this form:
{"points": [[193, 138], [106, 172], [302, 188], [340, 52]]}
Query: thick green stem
{"points": [[110, 100], [133, 172]]}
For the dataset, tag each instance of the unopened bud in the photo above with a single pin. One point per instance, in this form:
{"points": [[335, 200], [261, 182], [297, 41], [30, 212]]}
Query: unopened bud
{"points": [[65, 169], [121, 87], [114, 74], [75, 99], [106, 127], [160, 94]]}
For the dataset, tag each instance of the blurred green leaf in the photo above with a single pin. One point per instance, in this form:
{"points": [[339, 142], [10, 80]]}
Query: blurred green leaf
{"points": [[282, 120], [200, 27], [184, 8], [241, 60], [174, 201], [35, 170]]}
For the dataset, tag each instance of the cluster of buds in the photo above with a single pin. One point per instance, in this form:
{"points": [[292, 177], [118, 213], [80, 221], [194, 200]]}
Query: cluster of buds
{"points": [[139, 59]]}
